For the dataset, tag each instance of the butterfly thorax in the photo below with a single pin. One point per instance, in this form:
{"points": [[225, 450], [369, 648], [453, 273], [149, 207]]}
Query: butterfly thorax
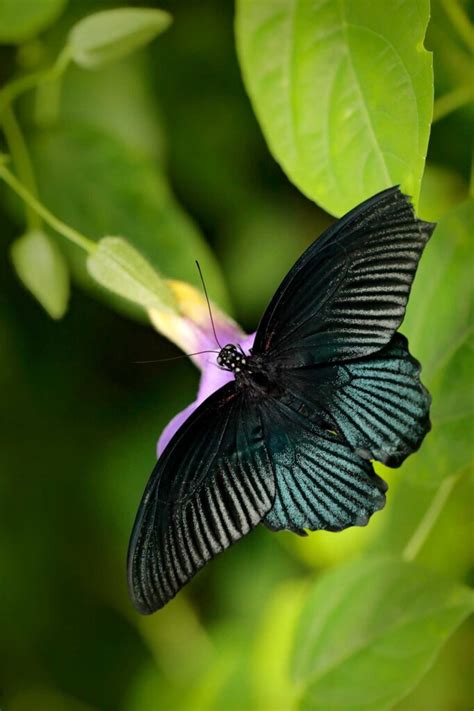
{"points": [[250, 370], [233, 359]]}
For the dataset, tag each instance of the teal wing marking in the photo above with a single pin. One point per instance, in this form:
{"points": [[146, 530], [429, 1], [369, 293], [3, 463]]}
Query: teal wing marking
{"points": [[320, 482], [382, 409], [328, 424]]}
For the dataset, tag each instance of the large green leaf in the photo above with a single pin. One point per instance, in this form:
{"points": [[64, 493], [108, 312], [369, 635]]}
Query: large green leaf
{"points": [[421, 519], [440, 328], [370, 630], [21, 20], [343, 92], [440, 309]]}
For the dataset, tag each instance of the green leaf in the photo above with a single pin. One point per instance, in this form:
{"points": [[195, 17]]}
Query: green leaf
{"points": [[111, 34], [43, 270], [440, 309], [120, 268], [269, 671], [452, 58], [21, 20], [369, 632], [343, 92], [99, 184], [440, 328]]}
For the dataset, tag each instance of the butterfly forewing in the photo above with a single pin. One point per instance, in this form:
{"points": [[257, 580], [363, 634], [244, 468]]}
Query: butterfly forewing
{"points": [[211, 486], [346, 296]]}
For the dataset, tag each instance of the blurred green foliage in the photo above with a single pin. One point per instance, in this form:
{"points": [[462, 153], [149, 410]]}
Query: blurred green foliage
{"points": [[162, 148]]}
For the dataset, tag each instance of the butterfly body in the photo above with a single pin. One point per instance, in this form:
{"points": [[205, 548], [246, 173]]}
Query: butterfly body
{"points": [[328, 387], [252, 371]]}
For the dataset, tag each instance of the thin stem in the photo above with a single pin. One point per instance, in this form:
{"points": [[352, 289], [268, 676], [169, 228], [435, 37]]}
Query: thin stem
{"points": [[71, 234], [460, 21], [424, 528], [471, 182], [452, 100], [21, 159], [29, 81]]}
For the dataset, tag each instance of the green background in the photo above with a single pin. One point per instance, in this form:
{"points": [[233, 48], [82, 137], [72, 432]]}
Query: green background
{"points": [[80, 419]]}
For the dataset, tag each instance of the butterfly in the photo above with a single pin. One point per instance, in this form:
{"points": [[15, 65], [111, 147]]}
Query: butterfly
{"points": [[328, 386]]}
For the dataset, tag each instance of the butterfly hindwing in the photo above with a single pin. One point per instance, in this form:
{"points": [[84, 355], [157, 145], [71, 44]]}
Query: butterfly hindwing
{"points": [[382, 408], [377, 404], [321, 483], [211, 486], [346, 295]]}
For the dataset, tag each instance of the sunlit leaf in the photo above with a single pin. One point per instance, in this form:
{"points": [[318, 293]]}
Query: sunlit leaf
{"points": [[225, 683], [106, 36], [343, 92], [440, 306], [43, 270], [272, 685], [119, 267], [21, 20], [440, 328], [370, 630]]}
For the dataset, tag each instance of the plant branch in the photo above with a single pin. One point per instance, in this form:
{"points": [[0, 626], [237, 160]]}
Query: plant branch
{"points": [[29, 81], [424, 528], [460, 21], [68, 232], [452, 100], [21, 159]]}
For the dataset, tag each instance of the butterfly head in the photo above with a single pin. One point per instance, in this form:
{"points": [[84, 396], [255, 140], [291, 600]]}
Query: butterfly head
{"points": [[231, 358]]}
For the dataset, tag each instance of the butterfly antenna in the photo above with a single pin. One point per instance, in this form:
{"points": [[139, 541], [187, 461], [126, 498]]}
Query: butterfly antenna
{"points": [[164, 360], [208, 304]]}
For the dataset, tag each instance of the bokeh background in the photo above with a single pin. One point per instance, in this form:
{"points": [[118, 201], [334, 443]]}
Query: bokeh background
{"points": [[166, 143]]}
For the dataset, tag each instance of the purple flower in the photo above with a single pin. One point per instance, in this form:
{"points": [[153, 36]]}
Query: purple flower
{"points": [[191, 329], [212, 378]]}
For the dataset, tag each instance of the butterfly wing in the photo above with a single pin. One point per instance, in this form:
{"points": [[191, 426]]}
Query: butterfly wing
{"points": [[211, 486], [380, 405], [329, 422], [346, 295], [321, 483]]}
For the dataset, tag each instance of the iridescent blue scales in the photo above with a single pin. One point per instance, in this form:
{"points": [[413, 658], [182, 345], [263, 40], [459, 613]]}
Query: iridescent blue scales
{"points": [[328, 387], [378, 406]]}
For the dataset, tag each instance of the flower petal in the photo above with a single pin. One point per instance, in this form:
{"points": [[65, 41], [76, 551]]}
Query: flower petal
{"points": [[212, 379]]}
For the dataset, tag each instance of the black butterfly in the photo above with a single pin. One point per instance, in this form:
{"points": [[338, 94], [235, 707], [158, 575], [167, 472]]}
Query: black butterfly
{"points": [[327, 387]]}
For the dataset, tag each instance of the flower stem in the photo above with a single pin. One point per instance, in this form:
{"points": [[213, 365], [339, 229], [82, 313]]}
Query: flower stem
{"points": [[460, 21], [452, 100], [29, 81], [21, 159], [424, 528], [68, 232]]}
